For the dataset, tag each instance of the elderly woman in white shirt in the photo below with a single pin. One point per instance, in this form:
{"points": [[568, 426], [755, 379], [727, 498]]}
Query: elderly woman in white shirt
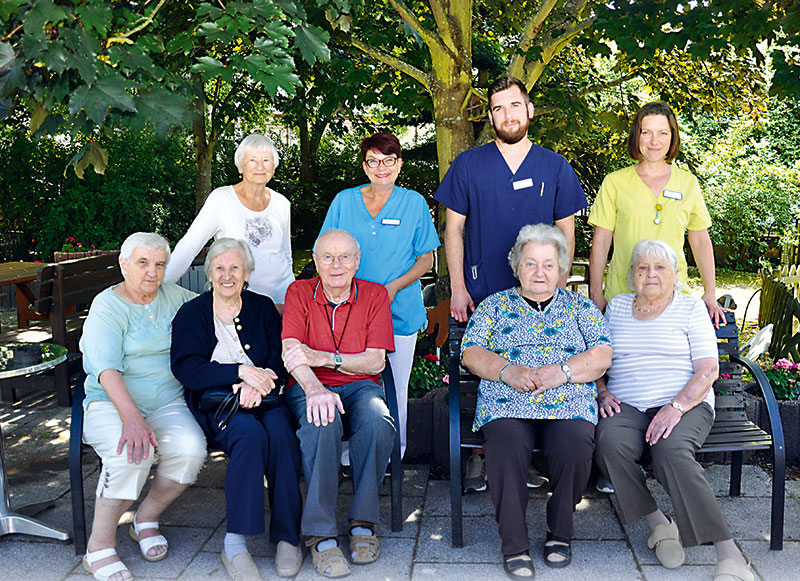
{"points": [[658, 408], [250, 211]]}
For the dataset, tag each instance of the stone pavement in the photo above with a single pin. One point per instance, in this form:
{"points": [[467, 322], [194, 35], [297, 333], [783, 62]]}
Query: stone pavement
{"points": [[36, 435]]}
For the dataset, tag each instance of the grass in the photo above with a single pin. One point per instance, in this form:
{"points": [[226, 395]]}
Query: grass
{"points": [[727, 278]]}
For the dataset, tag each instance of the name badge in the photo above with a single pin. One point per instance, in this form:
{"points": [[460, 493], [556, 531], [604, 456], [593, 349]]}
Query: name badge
{"points": [[672, 195], [522, 184], [390, 221]]}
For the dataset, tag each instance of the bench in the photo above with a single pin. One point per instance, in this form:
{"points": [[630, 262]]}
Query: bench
{"points": [[64, 292], [731, 432], [76, 448]]}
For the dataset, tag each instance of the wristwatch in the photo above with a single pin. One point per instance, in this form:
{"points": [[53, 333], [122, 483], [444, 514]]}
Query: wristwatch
{"points": [[678, 406], [337, 361], [567, 371]]}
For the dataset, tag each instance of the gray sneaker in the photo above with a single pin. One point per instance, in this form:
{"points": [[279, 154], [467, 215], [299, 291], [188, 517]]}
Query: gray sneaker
{"points": [[604, 485], [475, 475], [535, 479]]}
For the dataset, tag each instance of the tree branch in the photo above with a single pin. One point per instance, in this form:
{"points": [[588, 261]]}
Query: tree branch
{"points": [[593, 88], [145, 22], [411, 19], [387, 59], [532, 29]]}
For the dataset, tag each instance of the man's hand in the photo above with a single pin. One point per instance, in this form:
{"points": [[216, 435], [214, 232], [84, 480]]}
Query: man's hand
{"points": [[599, 299], [297, 354], [461, 304], [138, 437], [321, 405]]}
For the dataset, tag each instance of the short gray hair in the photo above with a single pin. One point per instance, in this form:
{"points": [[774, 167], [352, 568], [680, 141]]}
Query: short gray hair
{"points": [[149, 240], [540, 234], [256, 142], [221, 246], [344, 233], [656, 249]]}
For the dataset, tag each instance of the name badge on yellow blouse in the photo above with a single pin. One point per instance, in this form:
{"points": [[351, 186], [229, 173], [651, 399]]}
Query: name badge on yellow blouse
{"points": [[672, 195], [390, 221]]}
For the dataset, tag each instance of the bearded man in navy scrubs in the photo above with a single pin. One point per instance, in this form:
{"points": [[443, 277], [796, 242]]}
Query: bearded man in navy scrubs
{"points": [[496, 189], [492, 191]]}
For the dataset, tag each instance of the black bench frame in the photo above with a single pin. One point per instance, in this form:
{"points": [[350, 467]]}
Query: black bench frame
{"points": [[76, 461], [731, 432]]}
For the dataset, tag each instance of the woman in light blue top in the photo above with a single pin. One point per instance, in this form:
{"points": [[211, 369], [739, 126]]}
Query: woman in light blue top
{"points": [[394, 228], [134, 406]]}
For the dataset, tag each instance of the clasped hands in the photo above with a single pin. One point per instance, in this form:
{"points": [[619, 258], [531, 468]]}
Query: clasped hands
{"points": [[256, 383], [533, 380]]}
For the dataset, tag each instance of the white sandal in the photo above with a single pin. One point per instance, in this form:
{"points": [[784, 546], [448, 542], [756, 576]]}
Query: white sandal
{"points": [[103, 573], [150, 542]]}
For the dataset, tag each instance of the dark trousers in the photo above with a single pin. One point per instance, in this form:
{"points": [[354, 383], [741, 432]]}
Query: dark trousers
{"points": [[621, 448], [258, 445], [568, 446]]}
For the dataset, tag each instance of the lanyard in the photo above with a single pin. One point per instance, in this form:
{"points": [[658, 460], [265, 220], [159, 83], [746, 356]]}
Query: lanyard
{"points": [[330, 322]]}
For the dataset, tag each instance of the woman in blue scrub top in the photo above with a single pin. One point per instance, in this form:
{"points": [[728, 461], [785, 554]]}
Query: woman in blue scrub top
{"points": [[395, 230]]}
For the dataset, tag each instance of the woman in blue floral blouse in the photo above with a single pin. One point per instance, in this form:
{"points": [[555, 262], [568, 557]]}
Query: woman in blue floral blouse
{"points": [[538, 350]]}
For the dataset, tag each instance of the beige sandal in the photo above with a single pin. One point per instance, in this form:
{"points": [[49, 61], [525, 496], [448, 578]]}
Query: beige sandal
{"points": [[730, 570], [664, 539], [330, 562], [364, 549]]}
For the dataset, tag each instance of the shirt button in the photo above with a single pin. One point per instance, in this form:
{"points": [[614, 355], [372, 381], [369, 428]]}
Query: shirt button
{"points": [[247, 346], [236, 319], [238, 327]]}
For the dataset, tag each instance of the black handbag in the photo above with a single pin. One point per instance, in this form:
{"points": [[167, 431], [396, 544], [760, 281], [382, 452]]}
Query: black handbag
{"points": [[224, 403]]}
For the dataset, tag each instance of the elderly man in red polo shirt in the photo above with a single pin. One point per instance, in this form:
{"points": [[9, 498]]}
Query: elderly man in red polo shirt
{"points": [[336, 332]]}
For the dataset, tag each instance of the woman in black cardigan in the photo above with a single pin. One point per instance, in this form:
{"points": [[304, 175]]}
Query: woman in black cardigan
{"points": [[230, 338]]}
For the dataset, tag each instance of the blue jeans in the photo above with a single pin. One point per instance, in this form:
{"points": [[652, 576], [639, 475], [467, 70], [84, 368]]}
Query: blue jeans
{"points": [[370, 431]]}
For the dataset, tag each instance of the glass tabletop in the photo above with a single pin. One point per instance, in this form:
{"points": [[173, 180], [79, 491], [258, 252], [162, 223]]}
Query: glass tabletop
{"points": [[18, 359]]}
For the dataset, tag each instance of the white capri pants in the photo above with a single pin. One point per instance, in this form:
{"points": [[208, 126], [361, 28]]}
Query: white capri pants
{"points": [[181, 448]]}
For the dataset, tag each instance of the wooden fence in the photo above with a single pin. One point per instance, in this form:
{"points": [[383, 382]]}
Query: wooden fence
{"points": [[780, 306]]}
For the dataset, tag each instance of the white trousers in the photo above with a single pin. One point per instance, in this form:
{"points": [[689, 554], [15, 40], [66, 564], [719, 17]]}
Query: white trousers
{"points": [[181, 448], [401, 361]]}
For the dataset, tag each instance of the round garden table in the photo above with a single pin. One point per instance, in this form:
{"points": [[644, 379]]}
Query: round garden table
{"points": [[21, 360]]}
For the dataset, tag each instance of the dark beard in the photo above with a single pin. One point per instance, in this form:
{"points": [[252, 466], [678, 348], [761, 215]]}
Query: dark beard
{"points": [[511, 137]]}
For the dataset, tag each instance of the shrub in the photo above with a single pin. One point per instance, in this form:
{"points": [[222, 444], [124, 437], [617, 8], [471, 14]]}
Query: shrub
{"points": [[783, 376]]}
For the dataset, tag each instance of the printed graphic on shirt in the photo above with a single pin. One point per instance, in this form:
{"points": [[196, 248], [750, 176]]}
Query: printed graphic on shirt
{"points": [[258, 230]]}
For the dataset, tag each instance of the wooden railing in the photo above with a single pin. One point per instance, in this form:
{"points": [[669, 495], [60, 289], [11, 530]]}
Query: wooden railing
{"points": [[780, 306]]}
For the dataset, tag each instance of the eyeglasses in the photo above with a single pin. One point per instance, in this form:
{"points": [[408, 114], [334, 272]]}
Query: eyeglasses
{"points": [[657, 219], [328, 259], [386, 161]]}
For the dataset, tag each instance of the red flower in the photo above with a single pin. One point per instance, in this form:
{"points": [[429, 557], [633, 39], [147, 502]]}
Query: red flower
{"points": [[431, 357]]}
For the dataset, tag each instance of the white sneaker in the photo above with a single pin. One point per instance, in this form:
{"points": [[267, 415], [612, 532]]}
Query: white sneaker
{"points": [[535, 479]]}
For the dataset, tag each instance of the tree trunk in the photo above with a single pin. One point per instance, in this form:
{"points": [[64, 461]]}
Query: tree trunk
{"points": [[202, 149], [307, 156]]}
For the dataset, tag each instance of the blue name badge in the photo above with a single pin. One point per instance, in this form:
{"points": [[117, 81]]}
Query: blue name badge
{"points": [[672, 195], [390, 221]]}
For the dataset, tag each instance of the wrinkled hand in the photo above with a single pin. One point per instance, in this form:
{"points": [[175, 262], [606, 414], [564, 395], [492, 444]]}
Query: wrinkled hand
{"points": [[607, 404], [521, 378], [662, 424], [461, 305], [321, 406], [715, 311], [138, 437], [548, 377], [298, 354], [249, 397], [599, 299], [262, 380]]}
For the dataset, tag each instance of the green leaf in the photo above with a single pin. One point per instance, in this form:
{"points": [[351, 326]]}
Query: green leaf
{"points": [[311, 41], [6, 54], [165, 109], [42, 12], [39, 114], [114, 89], [208, 67], [94, 15]]}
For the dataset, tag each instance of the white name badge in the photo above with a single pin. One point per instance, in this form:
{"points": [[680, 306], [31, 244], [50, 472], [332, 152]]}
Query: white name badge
{"points": [[672, 195], [522, 184], [390, 221]]}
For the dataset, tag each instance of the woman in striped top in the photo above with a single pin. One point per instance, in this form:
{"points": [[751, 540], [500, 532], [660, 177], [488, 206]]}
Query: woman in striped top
{"points": [[658, 409]]}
